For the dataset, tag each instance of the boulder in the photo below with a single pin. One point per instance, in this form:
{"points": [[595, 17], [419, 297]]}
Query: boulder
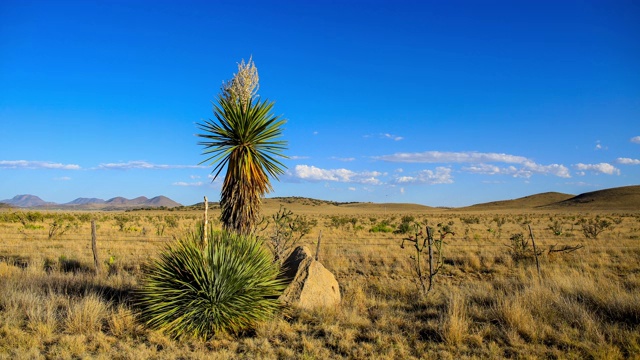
{"points": [[311, 285]]}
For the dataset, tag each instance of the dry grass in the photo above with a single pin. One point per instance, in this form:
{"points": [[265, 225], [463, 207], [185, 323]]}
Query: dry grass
{"points": [[485, 304]]}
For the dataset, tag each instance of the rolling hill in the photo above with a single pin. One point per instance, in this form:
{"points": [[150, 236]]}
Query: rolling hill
{"points": [[620, 198], [527, 202], [85, 201], [26, 200], [302, 205], [625, 198]]}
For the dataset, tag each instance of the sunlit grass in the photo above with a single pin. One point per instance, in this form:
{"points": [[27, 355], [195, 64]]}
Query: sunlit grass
{"points": [[485, 303]]}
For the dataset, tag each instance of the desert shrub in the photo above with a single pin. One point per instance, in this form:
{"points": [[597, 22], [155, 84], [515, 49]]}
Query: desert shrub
{"points": [[34, 216], [227, 284], [85, 218], [556, 227], [591, 228], [424, 242], [404, 228], [58, 227], [171, 221], [408, 219], [9, 217], [342, 221], [406, 225], [121, 221], [520, 249], [382, 226], [112, 265], [286, 229], [470, 220]]}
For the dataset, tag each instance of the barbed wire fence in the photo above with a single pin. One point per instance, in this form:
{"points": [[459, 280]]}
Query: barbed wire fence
{"points": [[383, 252]]}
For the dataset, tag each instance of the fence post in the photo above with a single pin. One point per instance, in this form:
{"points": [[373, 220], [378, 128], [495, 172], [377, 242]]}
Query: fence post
{"points": [[94, 247], [318, 247], [206, 221], [430, 242], [535, 251]]}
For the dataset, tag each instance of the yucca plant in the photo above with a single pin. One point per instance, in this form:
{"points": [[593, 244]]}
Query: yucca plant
{"points": [[228, 283], [244, 139]]}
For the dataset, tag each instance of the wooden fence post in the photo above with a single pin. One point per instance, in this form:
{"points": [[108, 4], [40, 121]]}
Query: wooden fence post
{"points": [[94, 247], [535, 251], [206, 221], [318, 247], [430, 242]]}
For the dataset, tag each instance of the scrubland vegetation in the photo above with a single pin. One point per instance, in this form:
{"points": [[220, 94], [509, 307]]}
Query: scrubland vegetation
{"points": [[488, 300]]}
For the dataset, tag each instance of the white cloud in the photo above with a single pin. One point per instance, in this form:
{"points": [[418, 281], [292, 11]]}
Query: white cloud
{"points": [[312, 173], [488, 169], [24, 164], [452, 157], [603, 168], [351, 188], [442, 175], [298, 157], [600, 147], [343, 159], [628, 161], [579, 183], [64, 178], [529, 167], [392, 137], [182, 183], [553, 169], [145, 165], [635, 139], [525, 172]]}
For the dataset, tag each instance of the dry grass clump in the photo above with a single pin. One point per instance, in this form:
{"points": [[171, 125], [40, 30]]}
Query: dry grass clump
{"points": [[455, 322], [485, 303]]}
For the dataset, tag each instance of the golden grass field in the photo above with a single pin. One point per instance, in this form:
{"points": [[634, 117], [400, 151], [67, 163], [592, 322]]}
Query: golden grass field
{"points": [[486, 303]]}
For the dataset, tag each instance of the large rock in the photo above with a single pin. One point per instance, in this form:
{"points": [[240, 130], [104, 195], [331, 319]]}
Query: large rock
{"points": [[311, 284]]}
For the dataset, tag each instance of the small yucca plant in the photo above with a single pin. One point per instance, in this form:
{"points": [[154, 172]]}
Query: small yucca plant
{"points": [[228, 283]]}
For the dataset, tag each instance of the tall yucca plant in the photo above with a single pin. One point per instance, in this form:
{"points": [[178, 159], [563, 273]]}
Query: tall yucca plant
{"points": [[244, 139], [194, 289]]}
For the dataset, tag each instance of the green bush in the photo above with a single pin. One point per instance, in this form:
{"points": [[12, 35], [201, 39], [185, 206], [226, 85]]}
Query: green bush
{"points": [[382, 226], [228, 284], [404, 228]]}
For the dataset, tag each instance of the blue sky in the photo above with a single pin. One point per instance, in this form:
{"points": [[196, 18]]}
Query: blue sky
{"points": [[442, 103]]}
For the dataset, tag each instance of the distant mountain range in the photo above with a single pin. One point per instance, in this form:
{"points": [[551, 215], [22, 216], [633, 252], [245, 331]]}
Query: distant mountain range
{"points": [[32, 201], [620, 198]]}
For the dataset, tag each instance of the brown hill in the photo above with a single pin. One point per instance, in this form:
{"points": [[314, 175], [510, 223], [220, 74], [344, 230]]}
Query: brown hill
{"points": [[620, 198], [301, 205], [26, 201], [161, 201], [140, 200], [527, 202]]}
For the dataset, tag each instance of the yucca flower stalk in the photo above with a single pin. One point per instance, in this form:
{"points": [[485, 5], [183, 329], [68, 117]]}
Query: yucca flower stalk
{"points": [[227, 284]]}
